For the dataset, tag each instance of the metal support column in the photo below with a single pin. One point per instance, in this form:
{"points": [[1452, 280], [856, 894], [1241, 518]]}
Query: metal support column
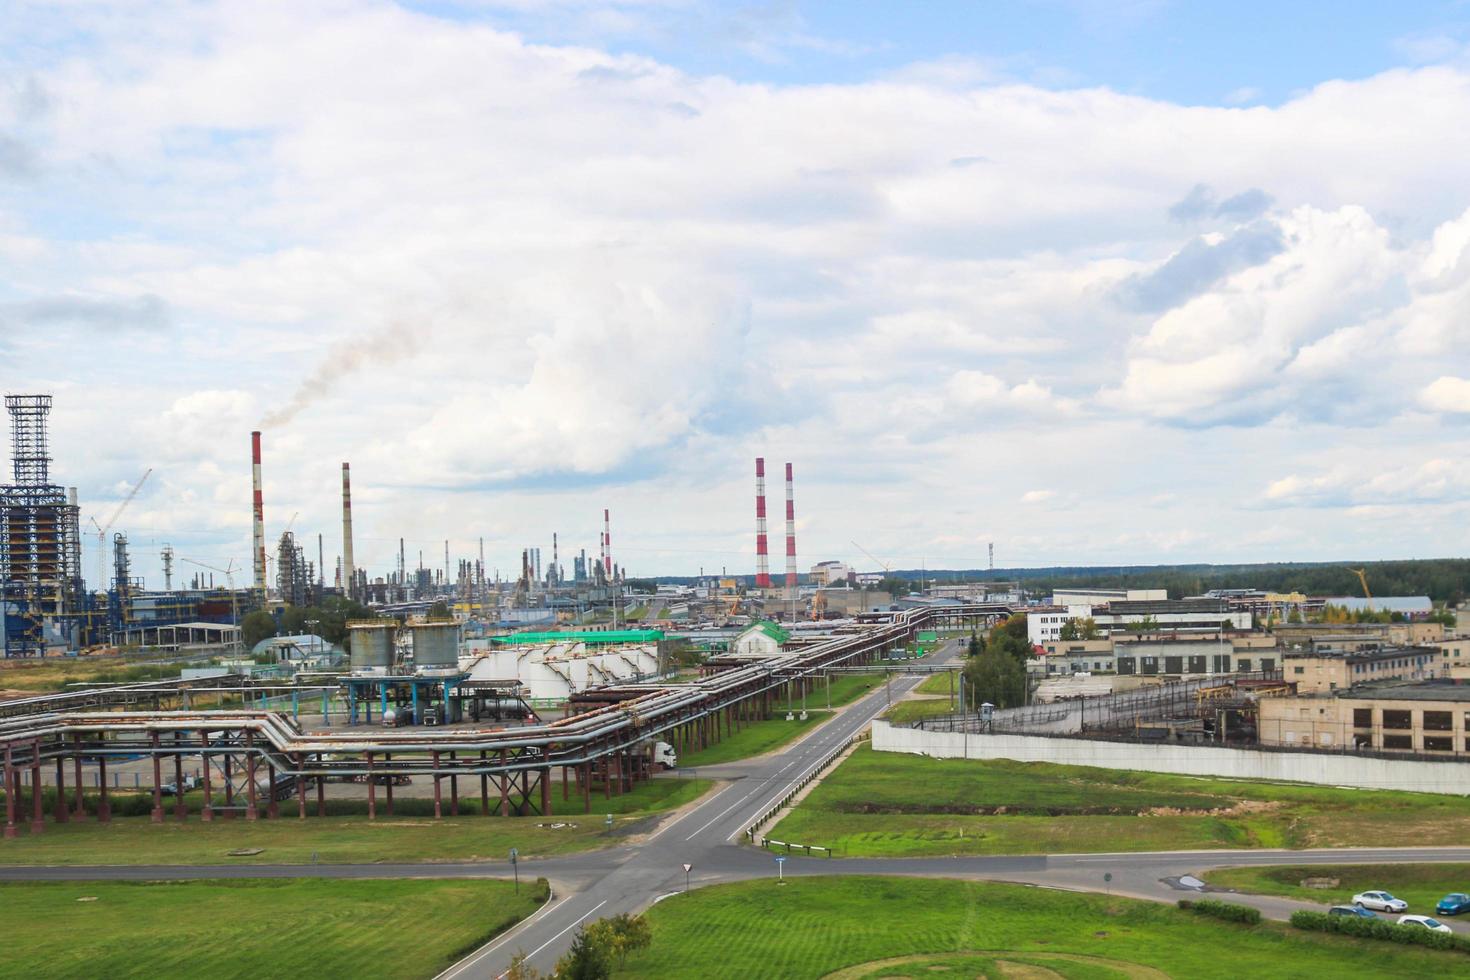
{"points": [[157, 815], [181, 809], [301, 787], [207, 814], [251, 812], [372, 790], [438, 801], [273, 805], [546, 791], [104, 808], [453, 788], [59, 814], [10, 792], [388, 783], [78, 810], [37, 823]]}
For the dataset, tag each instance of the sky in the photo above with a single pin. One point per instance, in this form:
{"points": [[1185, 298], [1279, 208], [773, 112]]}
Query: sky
{"points": [[1098, 283]]}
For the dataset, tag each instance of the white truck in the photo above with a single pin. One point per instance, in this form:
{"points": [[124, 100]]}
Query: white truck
{"points": [[663, 756]]}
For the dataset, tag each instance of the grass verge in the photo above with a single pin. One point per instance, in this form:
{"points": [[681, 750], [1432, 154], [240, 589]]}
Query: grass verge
{"points": [[306, 927], [756, 738], [939, 684], [811, 927], [879, 803], [1421, 885], [910, 711]]}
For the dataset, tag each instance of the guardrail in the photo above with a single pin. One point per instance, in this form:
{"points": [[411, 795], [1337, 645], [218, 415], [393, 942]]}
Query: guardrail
{"points": [[807, 778]]}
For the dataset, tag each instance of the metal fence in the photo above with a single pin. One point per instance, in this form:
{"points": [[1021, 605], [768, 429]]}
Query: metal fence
{"points": [[1108, 712]]}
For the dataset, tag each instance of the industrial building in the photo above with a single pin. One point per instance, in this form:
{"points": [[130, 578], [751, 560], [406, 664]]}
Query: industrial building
{"points": [[1426, 717]]}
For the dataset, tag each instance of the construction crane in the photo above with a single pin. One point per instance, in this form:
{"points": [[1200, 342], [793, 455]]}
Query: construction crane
{"points": [[103, 529], [1362, 574], [865, 551], [229, 573]]}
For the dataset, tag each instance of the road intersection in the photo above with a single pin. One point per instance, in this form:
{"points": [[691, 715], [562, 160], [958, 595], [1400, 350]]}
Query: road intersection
{"points": [[709, 836]]}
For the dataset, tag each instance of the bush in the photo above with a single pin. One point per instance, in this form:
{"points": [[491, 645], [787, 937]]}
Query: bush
{"points": [[1229, 911], [1352, 925]]}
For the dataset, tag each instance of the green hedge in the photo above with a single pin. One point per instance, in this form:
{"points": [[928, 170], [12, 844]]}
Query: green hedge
{"points": [[1353, 925], [1229, 911]]}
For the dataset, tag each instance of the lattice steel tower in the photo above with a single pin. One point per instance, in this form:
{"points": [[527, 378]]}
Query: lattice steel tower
{"points": [[40, 538]]}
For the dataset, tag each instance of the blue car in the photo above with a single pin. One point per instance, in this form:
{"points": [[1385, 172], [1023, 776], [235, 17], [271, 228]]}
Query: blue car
{"points": [[1453, 904], [1356, 910]]}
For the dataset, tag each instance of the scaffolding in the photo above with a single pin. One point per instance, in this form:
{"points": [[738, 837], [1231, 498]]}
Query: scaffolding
{"points": [[40, 538]]}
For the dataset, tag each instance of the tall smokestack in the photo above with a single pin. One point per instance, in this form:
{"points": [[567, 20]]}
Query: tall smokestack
{"points": [[349, 580], [259, 512], [762, 559], [790, 537], [607, 562], [555, 558]]}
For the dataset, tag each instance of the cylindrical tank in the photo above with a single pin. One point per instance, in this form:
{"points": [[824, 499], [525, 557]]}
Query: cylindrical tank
{"points": [[435, 645], [372, 645]]}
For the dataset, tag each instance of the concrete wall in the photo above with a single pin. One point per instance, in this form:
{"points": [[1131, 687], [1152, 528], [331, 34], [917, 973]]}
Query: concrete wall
{"points": [[1190, 760]]}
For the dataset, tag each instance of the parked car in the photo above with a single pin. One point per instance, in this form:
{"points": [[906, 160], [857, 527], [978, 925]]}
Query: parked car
{"points": [[1454, 903], [170, 789], [1355, 910], [1424, 922], [1380, 902]]}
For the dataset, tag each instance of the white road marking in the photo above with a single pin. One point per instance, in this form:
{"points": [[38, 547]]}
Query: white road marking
{"points": [[723, 812], [691, 812], [789, 786], [485, 951], [532, 954]]}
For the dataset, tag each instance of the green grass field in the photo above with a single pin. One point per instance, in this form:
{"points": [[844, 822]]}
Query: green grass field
{"points": [[938, 684], [910, 711], [878, 803], [755, 739], [811, 927], [205, 929], [355, 839], [1421, 885], [845, 689]]}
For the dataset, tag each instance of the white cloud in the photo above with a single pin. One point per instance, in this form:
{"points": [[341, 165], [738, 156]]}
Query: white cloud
{"points": [[513, 283], [1447, 394], [1037, 496]]}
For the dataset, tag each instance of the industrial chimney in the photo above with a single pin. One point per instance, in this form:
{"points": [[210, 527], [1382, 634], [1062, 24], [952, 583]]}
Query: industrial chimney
{"points": [[790, 538], [259, 512], [762, 559], [349, 579], [607, 544]]}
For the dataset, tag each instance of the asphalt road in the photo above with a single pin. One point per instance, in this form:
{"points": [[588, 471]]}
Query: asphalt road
{"points": [[706, 836]]}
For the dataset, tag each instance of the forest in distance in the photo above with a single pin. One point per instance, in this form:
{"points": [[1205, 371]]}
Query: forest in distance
{"points": [[1444, 580]]}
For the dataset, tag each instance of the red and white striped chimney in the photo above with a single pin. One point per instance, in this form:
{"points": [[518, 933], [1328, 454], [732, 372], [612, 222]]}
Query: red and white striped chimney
{"points": [[762, 558], [258, 512], [607, 561], [790, 536]]}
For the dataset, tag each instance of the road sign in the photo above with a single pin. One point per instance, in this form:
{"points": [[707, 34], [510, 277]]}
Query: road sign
{"points": [[780, 871], [514, 854], [516, 867], [687, 868]]}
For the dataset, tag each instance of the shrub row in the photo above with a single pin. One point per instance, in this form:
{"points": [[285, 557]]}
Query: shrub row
{"points": [[1229, 911], [1352, 925]]}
